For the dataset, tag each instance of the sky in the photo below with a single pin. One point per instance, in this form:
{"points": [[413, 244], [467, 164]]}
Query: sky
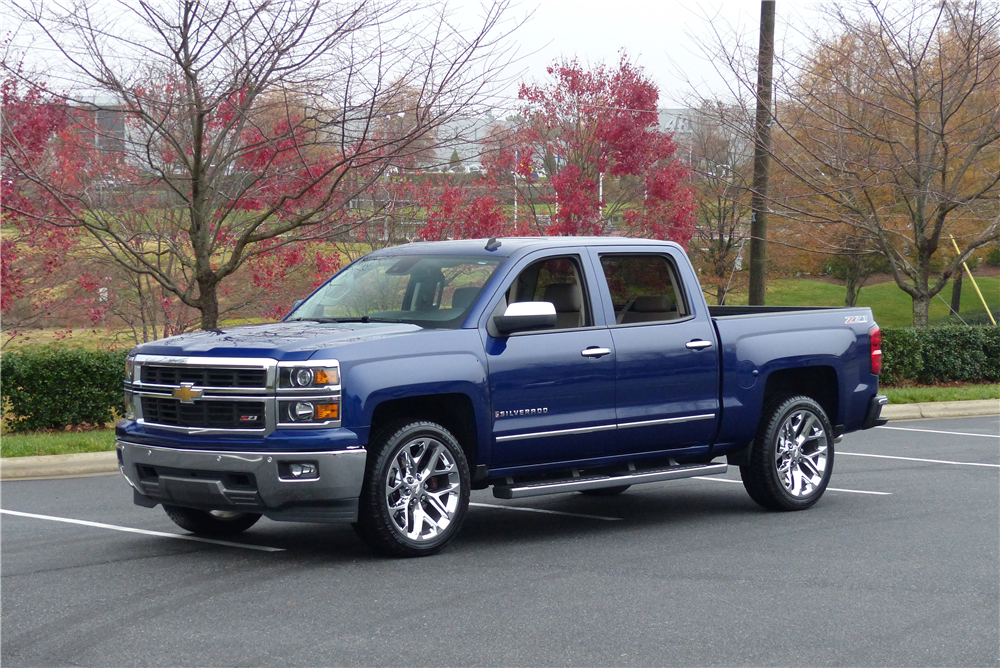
{"points": [[661, 36]]}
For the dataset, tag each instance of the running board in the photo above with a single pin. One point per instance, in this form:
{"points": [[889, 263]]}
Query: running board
{"points": [[578, 484]]}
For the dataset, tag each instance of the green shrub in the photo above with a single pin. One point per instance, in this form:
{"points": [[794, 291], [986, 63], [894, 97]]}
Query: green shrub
{"points": [[941, 354], [49, 387], [993, 256]]}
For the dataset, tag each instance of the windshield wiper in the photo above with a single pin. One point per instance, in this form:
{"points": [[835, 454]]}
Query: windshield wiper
{"points": [[363, 319]]}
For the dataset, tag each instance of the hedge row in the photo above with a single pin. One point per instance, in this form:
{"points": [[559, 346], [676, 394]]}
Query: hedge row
{"points": [[941, 355], [49, 387]]}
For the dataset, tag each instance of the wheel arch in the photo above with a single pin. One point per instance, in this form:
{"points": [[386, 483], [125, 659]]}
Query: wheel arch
{"points": [[820, 383], [454, 411]]}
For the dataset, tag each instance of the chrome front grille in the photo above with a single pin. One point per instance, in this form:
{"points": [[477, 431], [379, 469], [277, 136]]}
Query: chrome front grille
{"points": [[217, 395], [203, 376], [222, 414]]}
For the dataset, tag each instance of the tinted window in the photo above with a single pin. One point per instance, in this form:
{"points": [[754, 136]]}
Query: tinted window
{"points": [[643, 288]]}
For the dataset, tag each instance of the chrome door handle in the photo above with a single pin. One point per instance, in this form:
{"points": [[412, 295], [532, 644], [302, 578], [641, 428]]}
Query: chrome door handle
{"points": [[596, 352], [697, 345]]}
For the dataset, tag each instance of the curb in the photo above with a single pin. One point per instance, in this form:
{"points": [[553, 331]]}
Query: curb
{"points": [[99, 463], [58, 466], [942, 409]]}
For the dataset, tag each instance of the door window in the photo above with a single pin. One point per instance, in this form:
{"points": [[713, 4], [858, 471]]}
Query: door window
{"points": [[644, 288], [558, 280]]}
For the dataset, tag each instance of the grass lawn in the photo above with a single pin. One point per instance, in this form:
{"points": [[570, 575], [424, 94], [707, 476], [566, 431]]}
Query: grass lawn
{"points": [[56, 443], [913, 395], [891, 306]]}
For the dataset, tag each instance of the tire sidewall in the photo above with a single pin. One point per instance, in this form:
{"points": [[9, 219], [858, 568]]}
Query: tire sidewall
{"points": [[375, 519]]}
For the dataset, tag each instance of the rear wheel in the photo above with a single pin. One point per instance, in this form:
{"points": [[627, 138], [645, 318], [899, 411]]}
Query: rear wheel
{"points": [[416, 490], [211, 522], [791, 459]]}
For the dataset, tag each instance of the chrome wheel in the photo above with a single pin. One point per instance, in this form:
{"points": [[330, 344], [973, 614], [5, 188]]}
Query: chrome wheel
{"points": [[789, 463], [422, 489], [801, 453]]}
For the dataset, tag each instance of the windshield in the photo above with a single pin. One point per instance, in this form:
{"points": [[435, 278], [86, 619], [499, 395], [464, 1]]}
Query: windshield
{"points": [[431, 291]]}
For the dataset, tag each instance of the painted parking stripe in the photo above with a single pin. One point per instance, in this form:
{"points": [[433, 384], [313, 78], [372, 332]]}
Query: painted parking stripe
{"points": [[829, 489], [146, 532], [547, 512], [950, 433], [917, 459]]}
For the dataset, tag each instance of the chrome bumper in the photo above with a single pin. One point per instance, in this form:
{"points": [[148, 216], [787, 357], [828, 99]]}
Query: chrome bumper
{"points": [[256, 482]]}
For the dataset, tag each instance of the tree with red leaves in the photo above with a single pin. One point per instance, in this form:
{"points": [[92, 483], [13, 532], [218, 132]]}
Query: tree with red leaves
{"points": [[593, 134], [241, 131]]}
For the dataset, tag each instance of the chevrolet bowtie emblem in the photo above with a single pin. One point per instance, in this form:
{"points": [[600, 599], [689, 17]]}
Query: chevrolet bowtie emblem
{"points": [[186, 393]]}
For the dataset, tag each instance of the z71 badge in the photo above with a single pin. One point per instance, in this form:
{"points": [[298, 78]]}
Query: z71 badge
{"points": [[855, 319]]}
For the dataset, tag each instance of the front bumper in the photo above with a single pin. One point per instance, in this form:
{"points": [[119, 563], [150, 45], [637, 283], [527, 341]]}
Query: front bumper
{"points": [[253, 482], [874, 417]]}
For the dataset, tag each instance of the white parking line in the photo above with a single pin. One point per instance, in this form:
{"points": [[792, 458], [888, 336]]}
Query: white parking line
{"points": [[161, 534], [950, 433], [829, 489], [547, 512], [917, 459]]}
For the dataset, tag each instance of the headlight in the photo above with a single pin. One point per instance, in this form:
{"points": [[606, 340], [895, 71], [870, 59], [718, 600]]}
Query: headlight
{"points": [[308, 377], [312, 411], [129, 368], [129, 406]]}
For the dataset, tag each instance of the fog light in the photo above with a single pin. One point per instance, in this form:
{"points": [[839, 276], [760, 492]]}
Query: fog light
{"points": [[303, 411], [298, 470], [302, 470]]}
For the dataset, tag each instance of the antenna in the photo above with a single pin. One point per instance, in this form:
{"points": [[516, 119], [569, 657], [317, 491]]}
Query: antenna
{"points": [[492, 244]]}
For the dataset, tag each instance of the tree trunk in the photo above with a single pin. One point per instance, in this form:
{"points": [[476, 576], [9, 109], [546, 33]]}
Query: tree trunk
{"points": [[208, 304], [956, 294], [921, 306]]}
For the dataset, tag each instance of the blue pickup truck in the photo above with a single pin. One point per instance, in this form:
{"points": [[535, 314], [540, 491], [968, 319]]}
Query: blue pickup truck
{"points": [[531, 365]]}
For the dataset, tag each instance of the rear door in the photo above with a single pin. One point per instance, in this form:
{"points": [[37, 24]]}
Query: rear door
{"points": [[553, 391], [667, 376]]}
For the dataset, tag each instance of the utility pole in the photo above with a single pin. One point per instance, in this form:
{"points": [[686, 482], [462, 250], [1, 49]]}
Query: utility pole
{"points": [[761, 156]]}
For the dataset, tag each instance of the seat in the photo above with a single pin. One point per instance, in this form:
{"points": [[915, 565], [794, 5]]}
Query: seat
{"points": [[568, 300], [463, 297], [650, 308]]}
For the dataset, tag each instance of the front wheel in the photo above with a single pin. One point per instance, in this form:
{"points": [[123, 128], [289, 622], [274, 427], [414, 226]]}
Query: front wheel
{"points": [[416, 490], [211, 522], [791, 459]]}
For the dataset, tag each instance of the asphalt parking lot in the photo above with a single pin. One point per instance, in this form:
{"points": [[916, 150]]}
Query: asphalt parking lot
{"points": [[898, 564]]}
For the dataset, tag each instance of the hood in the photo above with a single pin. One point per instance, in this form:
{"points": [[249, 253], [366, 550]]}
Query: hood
{"points": [[281, 340]]}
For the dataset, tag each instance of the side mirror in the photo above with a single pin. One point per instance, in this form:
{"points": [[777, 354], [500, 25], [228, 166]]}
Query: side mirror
{"points": [[523, 316], [295, 305]]}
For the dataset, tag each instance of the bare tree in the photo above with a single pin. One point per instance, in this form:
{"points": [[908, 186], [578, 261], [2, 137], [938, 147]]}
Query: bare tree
{"points": [[721, 163], [246, 125], [889, 125]]}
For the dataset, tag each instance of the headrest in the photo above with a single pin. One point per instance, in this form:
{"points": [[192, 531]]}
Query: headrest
{"points": [[463, 297], [565, 297], [653, 304]]}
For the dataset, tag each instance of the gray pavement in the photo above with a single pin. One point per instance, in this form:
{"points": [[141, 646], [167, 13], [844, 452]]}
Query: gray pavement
{"points": [[897, 565]]}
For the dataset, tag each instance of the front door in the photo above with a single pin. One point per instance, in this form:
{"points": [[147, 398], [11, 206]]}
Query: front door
{"points": [[553, 390]]}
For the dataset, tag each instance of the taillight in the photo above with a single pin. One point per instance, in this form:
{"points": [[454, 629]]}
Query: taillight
{"points": [[875, 337]]}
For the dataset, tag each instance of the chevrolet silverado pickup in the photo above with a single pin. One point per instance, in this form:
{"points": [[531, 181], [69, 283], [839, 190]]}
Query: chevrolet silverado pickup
{"points": [[530, 365]]}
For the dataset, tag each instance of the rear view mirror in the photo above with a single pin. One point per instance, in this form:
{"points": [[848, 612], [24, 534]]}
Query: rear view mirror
{"points": [[524, 316]]}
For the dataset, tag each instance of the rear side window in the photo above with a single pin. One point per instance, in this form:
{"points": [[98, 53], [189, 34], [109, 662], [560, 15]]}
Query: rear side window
{"points": [[644, 288]]}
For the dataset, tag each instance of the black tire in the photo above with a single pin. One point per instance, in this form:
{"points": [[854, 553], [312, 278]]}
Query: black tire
{"points": [[211, 523], [416, 479], [605, 491], [791, 459]]}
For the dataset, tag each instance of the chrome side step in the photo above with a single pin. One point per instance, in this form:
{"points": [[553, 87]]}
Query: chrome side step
{"points": [[514, 491]]}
